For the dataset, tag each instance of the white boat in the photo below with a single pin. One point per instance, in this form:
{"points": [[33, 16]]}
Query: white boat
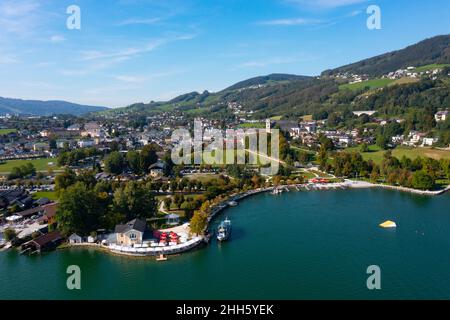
{"points": [[224, 230]]}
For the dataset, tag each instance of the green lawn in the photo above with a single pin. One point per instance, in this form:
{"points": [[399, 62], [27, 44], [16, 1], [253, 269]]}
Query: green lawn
{"points": [[259, 125], [7, 131], [203, 177], [39, 164], [376, 154], [431, 67], [372, 84], [45, 194]]}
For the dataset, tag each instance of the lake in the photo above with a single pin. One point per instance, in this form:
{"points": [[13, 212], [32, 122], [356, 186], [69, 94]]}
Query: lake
{"points": [[298, 245]]}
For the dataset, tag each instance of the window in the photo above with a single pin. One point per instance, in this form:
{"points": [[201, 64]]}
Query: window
{"points": [[133, 236]]}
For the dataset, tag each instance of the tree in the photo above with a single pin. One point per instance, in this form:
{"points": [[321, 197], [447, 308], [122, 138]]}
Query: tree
{"points": [[198, 222], [52, 144], [322, 157], [364, 147], [10, 234], [168, 164], [326, 143], [78, 210], [64, 180], [134, 162], [374, 176], [27, 169], [422, 180], [189, 208], [148, 156], [136, 200], [167, 203], [178, 199], [382, 141], [115, 163]]}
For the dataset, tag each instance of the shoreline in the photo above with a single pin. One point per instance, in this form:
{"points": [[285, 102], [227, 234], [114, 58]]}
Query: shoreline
{"points": [[364, 185], [218, 208]]}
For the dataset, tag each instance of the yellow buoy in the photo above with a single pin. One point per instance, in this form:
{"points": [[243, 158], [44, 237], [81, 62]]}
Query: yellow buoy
{"points": [[388, 224]]}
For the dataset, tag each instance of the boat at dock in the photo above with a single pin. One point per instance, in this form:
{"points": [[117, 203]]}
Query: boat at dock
{"points": [[224, 230], [232, 203]]}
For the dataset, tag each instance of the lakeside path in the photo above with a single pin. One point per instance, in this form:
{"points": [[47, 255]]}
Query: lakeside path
{"points": [[216, 209], [363, 184]]}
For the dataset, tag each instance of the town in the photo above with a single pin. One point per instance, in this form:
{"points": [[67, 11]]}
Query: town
{"points": [[141, 202]]}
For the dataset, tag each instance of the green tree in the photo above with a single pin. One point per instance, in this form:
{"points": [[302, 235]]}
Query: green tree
{"points": [[148, 157], [382, 141], [167, 203], [78, 210], [198, 222], [115, 163], [364, 147], [422, 180], [64, 180], [10, 234], [135, 201], [134, 162]]}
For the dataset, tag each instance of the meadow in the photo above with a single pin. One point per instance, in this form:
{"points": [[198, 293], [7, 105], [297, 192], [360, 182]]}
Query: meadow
{"points": [[41, 164], [372, 84], [376, 154]]}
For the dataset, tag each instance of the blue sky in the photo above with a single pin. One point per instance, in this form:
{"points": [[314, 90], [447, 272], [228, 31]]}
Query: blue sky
{"points": [[141, 50]]}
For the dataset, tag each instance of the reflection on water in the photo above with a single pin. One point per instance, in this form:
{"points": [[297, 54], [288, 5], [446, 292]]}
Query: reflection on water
{"points": [[299, 245]]}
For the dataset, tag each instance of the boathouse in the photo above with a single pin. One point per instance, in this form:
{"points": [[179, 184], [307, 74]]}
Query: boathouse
{"points": [[74, 238], [43, 243]]}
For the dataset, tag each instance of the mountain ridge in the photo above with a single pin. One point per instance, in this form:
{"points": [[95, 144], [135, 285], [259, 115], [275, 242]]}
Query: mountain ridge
{"points": [[44, 108]]}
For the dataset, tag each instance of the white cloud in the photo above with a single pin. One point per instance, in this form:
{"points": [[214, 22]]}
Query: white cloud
{"points": [[134, 51], [289, 22], [138, 79], [135, 21], [57, 38], [326, 4], [19, 16]]}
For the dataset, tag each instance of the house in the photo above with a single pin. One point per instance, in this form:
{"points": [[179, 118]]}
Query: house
{"points": [[74, 238], [157, 169], [86, 143], [310, 126], [49, 216], [428, 141], [130, 233], [345, 140], [415, 138], [173, 219], [441, 115], [92, 130], [92, 239], [74, 127]]}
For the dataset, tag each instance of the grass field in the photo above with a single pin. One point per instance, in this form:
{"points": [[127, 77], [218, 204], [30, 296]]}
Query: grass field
{"points": [[45, 194], [39, 164], [376, 154], [259, 125], [7, 131], [431, 67], [404, 80], [203, 177], [372, 84], [308, 117]]}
